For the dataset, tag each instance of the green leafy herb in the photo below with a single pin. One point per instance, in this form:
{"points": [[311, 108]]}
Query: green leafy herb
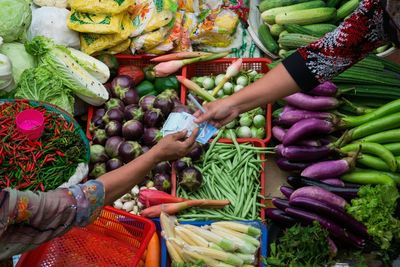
{"points": [[300, 246], [375, 207]]}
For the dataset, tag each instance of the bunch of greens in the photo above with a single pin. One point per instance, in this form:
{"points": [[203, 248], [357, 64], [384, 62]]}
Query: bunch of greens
{"points": [[375, 207], [42, 84], [301, 246]]}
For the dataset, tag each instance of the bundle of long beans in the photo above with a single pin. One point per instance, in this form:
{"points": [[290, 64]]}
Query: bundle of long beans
{"points": [[42, 164]]}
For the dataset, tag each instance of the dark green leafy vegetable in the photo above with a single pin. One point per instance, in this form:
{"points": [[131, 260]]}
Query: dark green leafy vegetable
{"points": [[300, 246], [375, 207]]}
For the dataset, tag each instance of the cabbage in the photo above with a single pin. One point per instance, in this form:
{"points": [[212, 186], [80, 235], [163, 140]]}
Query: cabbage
{"points": [[43, 84], [20, 59], [15, 18]]}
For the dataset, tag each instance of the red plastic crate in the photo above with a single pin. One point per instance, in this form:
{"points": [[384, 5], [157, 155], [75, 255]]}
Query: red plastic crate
{"points": [[219, 66], [254, 142], [116, 238]]}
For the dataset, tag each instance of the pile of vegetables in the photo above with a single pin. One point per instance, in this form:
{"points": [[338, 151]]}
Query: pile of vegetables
{"points": [[289, 24], [229, 171], [222, 243], [42, 164]]}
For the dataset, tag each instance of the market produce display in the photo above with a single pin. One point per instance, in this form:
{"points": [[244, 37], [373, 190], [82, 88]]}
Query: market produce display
{"points": [[43, 164], [218, 244], [288, 25]]}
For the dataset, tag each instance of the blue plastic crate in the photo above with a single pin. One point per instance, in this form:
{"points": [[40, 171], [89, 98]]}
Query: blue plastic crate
{"points": [[165, 260]]}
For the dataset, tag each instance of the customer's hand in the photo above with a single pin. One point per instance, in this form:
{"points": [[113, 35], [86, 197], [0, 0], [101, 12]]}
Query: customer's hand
{"points": [[174, 146], [219, 112]]}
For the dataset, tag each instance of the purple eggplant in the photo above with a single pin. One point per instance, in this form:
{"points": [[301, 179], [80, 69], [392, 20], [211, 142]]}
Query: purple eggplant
{"points": [[132, 130], [303, 153], [113, 128], [153, 117], [325, 89], [287, 108], [146, 102], [164, 103], [318, 193], [291, 117], [338, 215], [99, 137], [163, 167], [112, 146], [151, 136], [305, 128], [182, 164], [278, 133], [345, 192], [280, 217], [129, 150], [121, 82], [334, 181], [113, 114], [129, 97], [133, 112], [328, 169], [162, 181], [113, 164], [290, 166], [315, 103], [334, 229], [99, 113], [97, 154], [286, 191], [196, 152], [280, 203], [114, 103]]}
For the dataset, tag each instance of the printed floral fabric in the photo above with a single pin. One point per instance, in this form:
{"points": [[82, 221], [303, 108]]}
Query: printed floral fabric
{"points": [[28, 219], [366, 29]]}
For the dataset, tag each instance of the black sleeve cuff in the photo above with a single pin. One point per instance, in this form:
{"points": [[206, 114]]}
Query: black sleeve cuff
{"points": [[296, 66]]}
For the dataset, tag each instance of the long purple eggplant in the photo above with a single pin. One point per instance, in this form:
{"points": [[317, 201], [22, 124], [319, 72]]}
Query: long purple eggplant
{"points": [[333, 214], [303, 153], [278, 133], [330, 168], [325, 89], [334, 229], [290, 166], [280, 216], [286, 191], [334, 181], [280, 203], [320, 194], [291, 117], [345, 192], [309, 102], [287, 108], [306, 128]]}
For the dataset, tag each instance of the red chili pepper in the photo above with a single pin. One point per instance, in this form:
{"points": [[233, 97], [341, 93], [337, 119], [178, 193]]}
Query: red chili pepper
{"points": [[42, 187]]}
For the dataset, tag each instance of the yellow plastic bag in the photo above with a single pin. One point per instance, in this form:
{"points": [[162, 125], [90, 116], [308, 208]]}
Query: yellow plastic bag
{"points": [[216, 29], [92, 43], [94, 23], [191, 6], [119, 48], [101, 6], [162, 19], [148, 41]]}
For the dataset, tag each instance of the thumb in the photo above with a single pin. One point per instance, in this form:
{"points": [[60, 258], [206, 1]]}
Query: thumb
{"points": [[203, 117], [180, 135]]}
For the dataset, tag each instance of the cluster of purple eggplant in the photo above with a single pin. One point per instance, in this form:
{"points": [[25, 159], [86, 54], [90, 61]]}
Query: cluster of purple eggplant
{"points": [[128, 126], [311, 200], [318, 141]]}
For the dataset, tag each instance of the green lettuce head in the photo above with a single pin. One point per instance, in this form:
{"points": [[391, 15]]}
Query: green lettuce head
{"points": [[15, 19]]}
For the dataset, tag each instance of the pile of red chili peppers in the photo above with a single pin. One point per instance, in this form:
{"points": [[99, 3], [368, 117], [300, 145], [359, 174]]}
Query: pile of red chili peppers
{"points": [[42, 164]]}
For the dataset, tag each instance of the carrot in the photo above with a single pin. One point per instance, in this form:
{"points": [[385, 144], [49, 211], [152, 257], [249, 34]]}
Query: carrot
{"points": [[153, 252], [181, 55], [173, 208]]}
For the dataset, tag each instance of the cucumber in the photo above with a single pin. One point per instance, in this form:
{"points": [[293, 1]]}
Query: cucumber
{"points": [[307, 16], [321, 28], [266, 39], [295, 40], [268, 4], [346, 9], [332, 3], [295, 28], [269, 15], [276, 30]]}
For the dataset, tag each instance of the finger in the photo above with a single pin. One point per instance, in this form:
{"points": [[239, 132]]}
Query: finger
{"points": [[179, 135], [197, 113], [192, 138], [204, 117], [228, 119]]}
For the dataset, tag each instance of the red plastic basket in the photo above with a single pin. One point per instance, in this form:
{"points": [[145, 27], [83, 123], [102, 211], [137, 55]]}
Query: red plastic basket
{"points": [[256, 143], [219, 66], [116, 238]]}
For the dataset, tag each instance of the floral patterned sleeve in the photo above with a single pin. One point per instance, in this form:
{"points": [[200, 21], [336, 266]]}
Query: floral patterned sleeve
{"points": [[29, 219], [366, 29]]}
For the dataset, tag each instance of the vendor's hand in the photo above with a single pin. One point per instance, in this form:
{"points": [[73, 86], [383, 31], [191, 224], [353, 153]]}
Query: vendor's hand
{"points": [[219, 113], [174, 146]]}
